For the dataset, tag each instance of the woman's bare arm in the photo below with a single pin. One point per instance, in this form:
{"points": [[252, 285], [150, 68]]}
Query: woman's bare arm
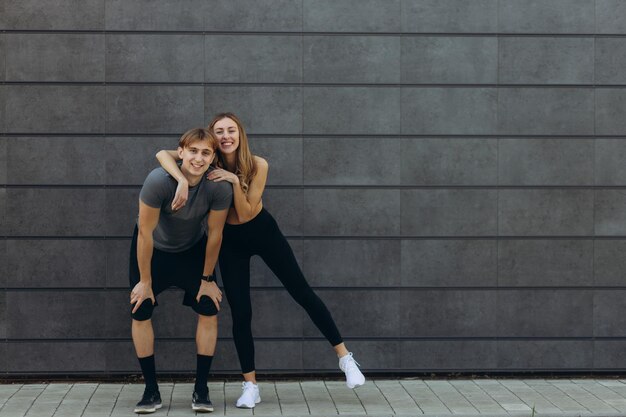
{"points": [[246, 205], [168, 159]]}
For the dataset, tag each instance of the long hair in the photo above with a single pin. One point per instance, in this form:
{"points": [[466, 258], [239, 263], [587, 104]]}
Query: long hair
{"points": [[245, 167]]}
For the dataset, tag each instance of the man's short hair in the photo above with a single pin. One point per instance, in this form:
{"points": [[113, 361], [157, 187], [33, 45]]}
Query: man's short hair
{"points": [[198, 134]]}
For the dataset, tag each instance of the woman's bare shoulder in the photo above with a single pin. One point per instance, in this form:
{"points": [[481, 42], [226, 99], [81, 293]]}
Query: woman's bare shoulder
{"points": [[260, 161]]}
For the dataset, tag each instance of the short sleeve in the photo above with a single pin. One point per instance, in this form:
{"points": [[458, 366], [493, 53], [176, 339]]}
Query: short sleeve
{"points": [[153, 192], [222, 196]]}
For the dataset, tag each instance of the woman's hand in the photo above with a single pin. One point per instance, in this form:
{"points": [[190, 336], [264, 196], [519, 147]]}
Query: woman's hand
{"points": [[219, 174], [182, 193]]}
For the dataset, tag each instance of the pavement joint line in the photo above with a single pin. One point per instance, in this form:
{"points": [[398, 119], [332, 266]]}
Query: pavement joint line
{"points": [[437, 396], [169, 405], [608, 387], [390, 405], [541, 395], [566, 394], [224, 396], [462, 396], [467, 394], [608, 384], [268, 390], [587, 393], [303, 396], [320, 397], [65, 395], [352, 399], [383, 395], [331, 398], [289, 390], [529, 394], [117, 397], [411, 397], [89, 400], [360, 400], [553, 400], [466, 397], [11, 396], [415, 399], [33, 402], [569, 396], [502, 387], [607, 400], [366, 393], [434, 394]]}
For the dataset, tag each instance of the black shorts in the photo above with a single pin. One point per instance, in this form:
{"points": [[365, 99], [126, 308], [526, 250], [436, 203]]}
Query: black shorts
{"points": [[175, 269]]}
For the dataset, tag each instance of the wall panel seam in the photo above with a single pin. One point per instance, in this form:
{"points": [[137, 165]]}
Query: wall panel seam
{"points": [[342, 187], [318, 33], [377, 288], [582, 86], [107, 340], [346, 237], [270, 136]]}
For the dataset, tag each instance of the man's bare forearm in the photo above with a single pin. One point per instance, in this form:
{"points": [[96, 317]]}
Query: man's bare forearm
{"points": [[213, 243], [145, 247]]}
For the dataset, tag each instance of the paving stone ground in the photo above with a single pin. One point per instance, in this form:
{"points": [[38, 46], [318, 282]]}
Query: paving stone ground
{"points": [[379, 397]]}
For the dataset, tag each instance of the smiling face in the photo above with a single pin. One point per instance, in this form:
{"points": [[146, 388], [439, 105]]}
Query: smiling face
{"points": [[196, 158], [227, 133], [196, 149]]}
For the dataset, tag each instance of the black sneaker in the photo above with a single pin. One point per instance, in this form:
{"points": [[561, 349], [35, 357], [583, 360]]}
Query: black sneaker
{"points": [[201, 403], [150, 402]]}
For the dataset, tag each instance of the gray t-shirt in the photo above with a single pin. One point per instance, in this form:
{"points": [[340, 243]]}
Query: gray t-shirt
{"points": [[180, 230]]}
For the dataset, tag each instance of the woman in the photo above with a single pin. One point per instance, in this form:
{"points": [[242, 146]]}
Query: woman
{"points": [[251, 230]]}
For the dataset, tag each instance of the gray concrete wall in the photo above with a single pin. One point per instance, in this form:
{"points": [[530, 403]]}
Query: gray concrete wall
{"points": [[449, 173]]}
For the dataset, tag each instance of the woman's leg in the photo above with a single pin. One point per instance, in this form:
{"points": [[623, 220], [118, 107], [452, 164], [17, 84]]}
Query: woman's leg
{"points": [[235, 270], [277, 254]]}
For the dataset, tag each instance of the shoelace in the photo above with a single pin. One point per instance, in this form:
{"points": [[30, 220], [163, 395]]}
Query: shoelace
{"points": [[245, 386], [351, 362]]}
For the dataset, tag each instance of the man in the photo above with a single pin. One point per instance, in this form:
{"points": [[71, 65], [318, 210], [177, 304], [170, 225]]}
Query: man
{"points": [[179, 248]]}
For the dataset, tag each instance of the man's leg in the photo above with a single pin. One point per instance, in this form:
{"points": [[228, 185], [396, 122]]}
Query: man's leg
{"points": [[206, 335], [143, 339], [206, 338], [188, 278]]}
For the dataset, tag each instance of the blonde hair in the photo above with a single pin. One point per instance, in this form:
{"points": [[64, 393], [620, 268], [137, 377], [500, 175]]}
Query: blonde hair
{"points": [[198, 134], [245, 167]]}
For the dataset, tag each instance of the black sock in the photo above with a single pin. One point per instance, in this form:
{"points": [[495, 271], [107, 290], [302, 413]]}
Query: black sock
{"points": [[149, 372], [202, 373]]}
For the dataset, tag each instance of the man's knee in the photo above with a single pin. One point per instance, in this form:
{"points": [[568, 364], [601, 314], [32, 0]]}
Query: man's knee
{"points": [[144, 312], [205, 307]]}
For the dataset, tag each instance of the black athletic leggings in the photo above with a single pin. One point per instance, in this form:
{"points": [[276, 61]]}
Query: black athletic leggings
{"points": [[261, 236]]}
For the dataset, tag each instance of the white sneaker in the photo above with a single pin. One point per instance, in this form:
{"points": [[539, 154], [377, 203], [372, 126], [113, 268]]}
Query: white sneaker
{"points": [[250, 395], [354, 377]]}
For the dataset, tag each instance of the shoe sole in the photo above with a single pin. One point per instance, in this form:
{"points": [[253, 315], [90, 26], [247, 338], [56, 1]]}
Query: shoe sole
{"points": [[247, 406], [356, 385], [202, 409], [147, 410]]}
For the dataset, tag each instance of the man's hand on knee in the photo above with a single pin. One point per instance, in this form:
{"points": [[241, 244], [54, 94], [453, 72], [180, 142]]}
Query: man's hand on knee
{"points": [[211, 290], [141, 292]]}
